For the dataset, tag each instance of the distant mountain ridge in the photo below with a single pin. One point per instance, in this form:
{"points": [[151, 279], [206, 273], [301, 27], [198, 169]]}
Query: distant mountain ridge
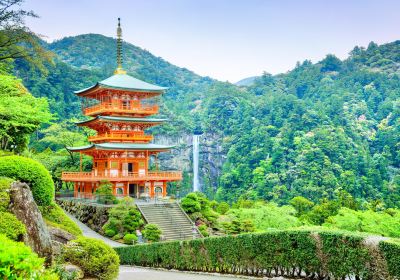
{"points": [[246, 81]]}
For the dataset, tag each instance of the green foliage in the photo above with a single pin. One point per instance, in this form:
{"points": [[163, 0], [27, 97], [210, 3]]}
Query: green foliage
{"points": [[104, 193], [96, 258], [391, 252], [56, 217], [301, 204], [129, 238], [265, 216], [123, 219], [347, 255], [152, 233], [4, 195], [222, 208], [20, 113], [199, 207], [11, 227], [190, 203], [366, 221], [203, 230], [19, 262], [31, 172], [287, 253], [109, 232]]}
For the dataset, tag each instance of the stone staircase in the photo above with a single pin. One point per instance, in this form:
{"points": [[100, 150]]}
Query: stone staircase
{"points": [[171, 219]]}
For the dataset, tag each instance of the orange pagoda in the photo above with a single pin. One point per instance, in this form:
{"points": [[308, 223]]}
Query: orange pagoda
{"points": [[120, 109]]}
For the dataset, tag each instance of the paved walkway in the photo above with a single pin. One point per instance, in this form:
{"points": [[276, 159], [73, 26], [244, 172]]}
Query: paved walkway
{"points": [[87, 231], [136, 273]]}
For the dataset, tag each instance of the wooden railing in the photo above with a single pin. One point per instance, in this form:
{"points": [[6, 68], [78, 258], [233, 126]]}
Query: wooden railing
{"points": [[125, 136], [133, 176], [130, 107]]}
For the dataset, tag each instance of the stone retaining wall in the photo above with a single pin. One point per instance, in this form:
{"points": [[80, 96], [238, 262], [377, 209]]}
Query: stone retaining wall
{"points": [[94, 216]]}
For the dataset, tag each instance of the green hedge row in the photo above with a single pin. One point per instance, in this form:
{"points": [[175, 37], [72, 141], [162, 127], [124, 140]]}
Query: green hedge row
{"points": [[298, 254], [391, 252]]}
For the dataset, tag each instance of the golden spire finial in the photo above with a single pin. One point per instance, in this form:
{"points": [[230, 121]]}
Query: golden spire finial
{"points": [[119, 69]]}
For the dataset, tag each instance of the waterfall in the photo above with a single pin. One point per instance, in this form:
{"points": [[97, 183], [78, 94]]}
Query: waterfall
{"points": [[196, 186]]}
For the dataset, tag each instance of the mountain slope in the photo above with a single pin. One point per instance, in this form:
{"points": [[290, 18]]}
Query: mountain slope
{"points": [[321, 130]]}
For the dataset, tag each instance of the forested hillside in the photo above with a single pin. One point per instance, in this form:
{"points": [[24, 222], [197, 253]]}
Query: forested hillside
{"points": [[314, 131]]}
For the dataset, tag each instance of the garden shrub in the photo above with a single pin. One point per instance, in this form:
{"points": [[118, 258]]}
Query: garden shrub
{"points": [[130, 238], [109, 233], [289, 253], [96, 258], [11, 226], [190, 203], [56, 217], [5, 184], [204, 230], [17, 261], [123, 218], [222, 208], [152, 233], [31, 172]]}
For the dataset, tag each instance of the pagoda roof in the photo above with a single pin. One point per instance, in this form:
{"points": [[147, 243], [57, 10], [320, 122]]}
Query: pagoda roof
{"points": [[121, 119], [122, 146], [123, 82]]}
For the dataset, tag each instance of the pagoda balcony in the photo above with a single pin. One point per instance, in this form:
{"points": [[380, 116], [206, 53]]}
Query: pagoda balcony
{"points": [[126, 136], [122, 107], [121, 176]]}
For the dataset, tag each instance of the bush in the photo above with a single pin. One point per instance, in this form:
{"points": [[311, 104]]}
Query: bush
{"points": [[190, 204], [56, 217], [366, 221], [290, 253], [11, 226], [96, 258], [222, 208], [4, 195], [130, 238], [109, 233], [19, 262], [152, 233], [204, 230], [31, 172], [123, 218]]}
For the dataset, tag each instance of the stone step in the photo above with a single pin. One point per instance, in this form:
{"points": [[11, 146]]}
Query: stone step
{"points": [[172, 221]]}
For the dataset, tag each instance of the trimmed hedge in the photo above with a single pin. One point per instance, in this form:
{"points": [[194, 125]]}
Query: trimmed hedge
{"points": [[290, 253], [391, 252], [31, 172]]}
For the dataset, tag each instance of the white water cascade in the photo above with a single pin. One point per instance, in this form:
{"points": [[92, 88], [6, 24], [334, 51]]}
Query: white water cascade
{"points": [[196, 140]]}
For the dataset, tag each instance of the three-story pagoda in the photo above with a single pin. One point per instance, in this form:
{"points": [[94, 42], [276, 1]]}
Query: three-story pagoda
{"points": [[121, 150]]}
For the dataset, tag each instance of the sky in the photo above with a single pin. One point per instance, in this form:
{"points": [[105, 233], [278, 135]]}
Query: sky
{"points": [[227, 39]]}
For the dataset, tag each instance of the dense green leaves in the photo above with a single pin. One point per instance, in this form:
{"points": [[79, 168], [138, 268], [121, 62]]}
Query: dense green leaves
{"points": [[31, 172], [318, 255], [95, 257]]}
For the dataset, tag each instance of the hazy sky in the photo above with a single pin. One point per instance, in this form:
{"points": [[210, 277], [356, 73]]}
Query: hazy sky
{"points": [[227, 39]]}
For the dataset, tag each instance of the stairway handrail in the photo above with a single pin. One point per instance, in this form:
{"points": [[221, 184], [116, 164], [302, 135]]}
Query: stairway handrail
{"points": [[141, 211]]}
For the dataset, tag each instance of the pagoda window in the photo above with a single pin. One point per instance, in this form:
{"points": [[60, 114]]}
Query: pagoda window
{"points": [[114, 164]]}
